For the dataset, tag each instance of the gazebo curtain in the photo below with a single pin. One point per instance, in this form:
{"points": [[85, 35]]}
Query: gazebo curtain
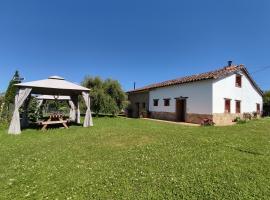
{"points": [[72, 112], [15, 125], [75, 101], [88, 116]]}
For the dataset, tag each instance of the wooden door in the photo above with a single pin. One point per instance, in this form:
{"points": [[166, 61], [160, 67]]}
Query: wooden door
{"points": [[180, 110]]}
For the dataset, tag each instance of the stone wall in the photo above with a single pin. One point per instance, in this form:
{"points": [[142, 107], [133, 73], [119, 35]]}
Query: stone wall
{"points": [[197, 118], [171, 116], [218, 119], [163, 115], [225, 118]]}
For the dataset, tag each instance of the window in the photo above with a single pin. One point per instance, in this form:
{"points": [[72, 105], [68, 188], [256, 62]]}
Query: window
{"points": [[155, 102], [143, 105], [166, 102], [237, 106], [238, 80], [258, 108], [227, 106]]}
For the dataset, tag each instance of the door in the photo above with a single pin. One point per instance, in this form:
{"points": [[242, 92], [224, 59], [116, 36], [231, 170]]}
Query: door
{"points": [[180, 110], [137, 110]]}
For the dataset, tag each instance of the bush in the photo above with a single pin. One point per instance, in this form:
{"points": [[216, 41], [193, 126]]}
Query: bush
{"points": [[207, 122], [238, 120], [247, 116]]}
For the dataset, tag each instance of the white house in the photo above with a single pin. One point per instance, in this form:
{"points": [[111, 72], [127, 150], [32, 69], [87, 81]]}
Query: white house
{"points": [[220, 95]]}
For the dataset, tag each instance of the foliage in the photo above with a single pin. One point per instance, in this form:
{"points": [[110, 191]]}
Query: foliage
{"points": [[207, 122], [10, 96], [32, 112], [247, 116], [52, 106], [266, 102], [266, 97], [2, 100], [137, 159], [107, 96], [238, 120]]}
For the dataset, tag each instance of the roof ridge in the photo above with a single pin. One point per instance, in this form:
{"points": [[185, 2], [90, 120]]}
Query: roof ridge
{"points": [[192, 78]]}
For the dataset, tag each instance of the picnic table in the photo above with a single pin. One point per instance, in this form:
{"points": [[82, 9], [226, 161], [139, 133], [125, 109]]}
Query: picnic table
{"points": [[54, 119]]}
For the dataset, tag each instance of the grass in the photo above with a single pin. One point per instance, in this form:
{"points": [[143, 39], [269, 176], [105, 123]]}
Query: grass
{"points": [[122, 158]]}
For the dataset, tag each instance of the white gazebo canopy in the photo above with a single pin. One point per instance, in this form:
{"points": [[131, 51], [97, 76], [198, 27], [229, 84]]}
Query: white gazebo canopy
{"points": [[53, 87]]}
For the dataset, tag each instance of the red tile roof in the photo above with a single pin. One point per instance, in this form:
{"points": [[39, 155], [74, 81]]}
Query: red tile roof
{"points": [[199, 77]]}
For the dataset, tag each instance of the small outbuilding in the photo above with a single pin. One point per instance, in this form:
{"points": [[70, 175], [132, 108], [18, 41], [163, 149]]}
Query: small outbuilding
{"points": [[54, 87]]}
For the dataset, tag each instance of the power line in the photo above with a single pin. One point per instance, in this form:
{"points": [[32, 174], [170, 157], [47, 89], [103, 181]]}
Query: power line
{"points": [[260, 70]]}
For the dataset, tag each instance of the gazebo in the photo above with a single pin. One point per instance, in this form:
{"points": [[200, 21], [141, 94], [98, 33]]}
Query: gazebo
{"points": [[56, 87]]}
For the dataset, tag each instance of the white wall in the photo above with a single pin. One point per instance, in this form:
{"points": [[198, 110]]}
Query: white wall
{"points": [[199, 97], [225, 88]]}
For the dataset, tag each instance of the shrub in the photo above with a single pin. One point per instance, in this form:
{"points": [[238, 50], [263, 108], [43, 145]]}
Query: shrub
{"points": [[207, 122], [238, 120], [247, 116]]}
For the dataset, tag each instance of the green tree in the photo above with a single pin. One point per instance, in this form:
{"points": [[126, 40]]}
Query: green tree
{"points": [[266, 97], [114, 89], [107, 96], [266, 103], [10, 95]]}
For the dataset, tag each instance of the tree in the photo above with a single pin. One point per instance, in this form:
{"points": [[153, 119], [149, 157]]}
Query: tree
{"points": [[114, 89], [266, 103], [10, 95], [107, 96]]}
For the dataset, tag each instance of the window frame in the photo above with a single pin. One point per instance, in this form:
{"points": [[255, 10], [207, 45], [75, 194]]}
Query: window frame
{"points": [[258, 108], [155, 102], [237, 110], [238, 80], [225, 105], [166, 102]]}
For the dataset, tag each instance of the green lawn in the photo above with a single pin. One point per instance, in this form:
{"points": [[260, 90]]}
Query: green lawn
{"points": [[122, 158]]}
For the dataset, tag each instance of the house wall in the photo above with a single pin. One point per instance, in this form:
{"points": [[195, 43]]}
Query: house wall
{"points": [[198, 103], [140, 97], [205, 99], [225, 88]]}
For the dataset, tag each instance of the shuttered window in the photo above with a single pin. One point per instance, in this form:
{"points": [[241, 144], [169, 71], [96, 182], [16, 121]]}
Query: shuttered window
{"points": [[258, 108], [227, 106], [155, 102], [238, 81], [166, 102], [237, 106]]}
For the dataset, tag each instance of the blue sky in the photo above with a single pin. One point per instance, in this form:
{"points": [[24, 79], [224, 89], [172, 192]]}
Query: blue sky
{"points": [[140, 40]]}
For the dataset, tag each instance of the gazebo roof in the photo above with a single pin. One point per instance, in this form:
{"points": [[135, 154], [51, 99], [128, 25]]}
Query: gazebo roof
{"points": [[54, 85]]}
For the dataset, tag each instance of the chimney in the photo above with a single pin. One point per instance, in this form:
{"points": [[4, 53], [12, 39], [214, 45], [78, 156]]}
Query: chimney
{"points": [[229, 63], [134, 85]]}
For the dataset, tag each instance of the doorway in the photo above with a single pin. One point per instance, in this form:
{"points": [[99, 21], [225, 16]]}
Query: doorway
{"points": [[180, 110], [137, 110]]}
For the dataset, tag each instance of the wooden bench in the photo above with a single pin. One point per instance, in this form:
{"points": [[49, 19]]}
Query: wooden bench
{"points": [[54, 119]]}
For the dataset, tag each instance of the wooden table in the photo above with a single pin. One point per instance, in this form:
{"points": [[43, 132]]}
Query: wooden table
{"points": [[54, 119]]}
